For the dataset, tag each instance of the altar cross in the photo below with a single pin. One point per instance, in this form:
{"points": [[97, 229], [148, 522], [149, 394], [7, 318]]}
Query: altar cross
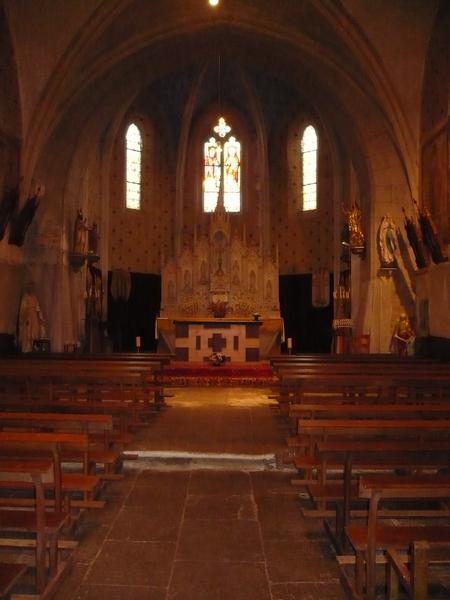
{"points": [[217, 342]]}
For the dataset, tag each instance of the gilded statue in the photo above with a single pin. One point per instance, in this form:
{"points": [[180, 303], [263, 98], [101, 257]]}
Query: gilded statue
{"points": [[403, 336], [79, 234], [356, 235]]}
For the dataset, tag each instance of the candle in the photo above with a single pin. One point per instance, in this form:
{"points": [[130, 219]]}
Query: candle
{"points": [[289, 343], [138, 341]]}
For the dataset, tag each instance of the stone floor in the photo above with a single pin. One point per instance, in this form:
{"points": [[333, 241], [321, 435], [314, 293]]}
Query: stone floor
{"points": [[204, 534], [170, 531], [201, 535], [234, 420]]}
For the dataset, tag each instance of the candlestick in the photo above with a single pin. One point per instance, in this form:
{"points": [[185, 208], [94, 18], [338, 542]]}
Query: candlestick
{"points": [[289, 345]]}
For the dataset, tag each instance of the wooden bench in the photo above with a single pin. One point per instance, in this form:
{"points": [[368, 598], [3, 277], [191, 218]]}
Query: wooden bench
{"points": [[363, 410], [320, 429], [369, 538], [356, 456], [53, 444], [124, 416], [45, 525], [69, 422], [421, 557], [10, 573], [395, 376], [78, 382]]}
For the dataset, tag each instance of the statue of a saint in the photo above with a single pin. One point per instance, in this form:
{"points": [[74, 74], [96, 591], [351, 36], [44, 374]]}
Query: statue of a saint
{"points": [[31, 321], [79, 234], [387, 243], [356, 235], [403, 336]]}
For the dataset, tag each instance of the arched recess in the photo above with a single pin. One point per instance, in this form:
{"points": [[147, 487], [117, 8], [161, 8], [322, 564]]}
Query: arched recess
{"points": [[137, 237], [312, 229], [202, 129]]}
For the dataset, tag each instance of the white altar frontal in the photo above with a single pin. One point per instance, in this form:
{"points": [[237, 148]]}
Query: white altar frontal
{"points": [[219, 293]]}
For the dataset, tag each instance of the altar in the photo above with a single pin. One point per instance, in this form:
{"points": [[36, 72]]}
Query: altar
{"points": [[240, 340], [197, 339], [220, 293]]}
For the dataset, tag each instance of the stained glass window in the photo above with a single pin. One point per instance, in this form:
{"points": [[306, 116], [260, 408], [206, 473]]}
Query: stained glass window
{"points": [[212, 174], [232, 178], [309, 147], [222, 160], [133, 167]]}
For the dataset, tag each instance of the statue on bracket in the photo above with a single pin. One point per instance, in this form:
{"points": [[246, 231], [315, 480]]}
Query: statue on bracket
{"points": [[356, 239], [387, 243], [79, 234]]}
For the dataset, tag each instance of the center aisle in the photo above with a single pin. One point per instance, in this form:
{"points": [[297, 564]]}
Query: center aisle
{"points": [[215, 419], [202, 535], [177, 533]]}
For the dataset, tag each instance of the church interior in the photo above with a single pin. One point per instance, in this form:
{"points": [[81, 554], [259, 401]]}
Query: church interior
{"points": [[223, 225]]}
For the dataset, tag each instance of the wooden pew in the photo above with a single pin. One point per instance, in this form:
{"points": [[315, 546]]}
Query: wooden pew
{"points": [[421, 556], [296, 373], [319, 429], [10, 573], [357, 456], [362, 444], [95, 383], [369, 538], [46, 526], [70, 422], [53, 444]]}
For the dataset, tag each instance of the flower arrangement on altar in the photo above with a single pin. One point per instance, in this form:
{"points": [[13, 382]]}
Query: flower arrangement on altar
{"points": [[219, 308], [217, 358]]}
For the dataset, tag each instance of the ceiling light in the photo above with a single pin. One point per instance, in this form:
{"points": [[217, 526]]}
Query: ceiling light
{"points": [[213, 2]]}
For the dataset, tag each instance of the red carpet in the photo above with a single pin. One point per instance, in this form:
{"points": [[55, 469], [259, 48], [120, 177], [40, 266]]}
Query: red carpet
{"points": [[226, 374]]}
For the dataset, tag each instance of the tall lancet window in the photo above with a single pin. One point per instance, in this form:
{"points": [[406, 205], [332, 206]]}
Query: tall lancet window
{"points": [[222, 170], [133, 167], [308, 151], [232, 177], [212, 174]]}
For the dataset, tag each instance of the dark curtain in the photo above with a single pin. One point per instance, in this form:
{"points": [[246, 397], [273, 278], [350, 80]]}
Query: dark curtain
{"points": [[136, 317], [310, 328]]}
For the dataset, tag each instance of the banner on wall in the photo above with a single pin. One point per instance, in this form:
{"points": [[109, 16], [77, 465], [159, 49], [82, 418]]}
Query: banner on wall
{"points": [[320, 288]]}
